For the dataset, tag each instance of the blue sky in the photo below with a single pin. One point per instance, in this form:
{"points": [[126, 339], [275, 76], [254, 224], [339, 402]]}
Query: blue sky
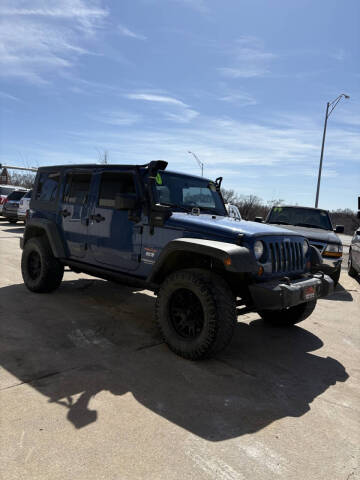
{"points": [[243, 84]]}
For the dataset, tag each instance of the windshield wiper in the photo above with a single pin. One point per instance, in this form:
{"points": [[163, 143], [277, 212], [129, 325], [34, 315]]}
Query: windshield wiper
{"points": [[309, 225], [174, 205], [279, 223]]}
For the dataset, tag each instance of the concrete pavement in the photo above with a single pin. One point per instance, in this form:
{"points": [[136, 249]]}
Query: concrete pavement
{"points": [[89, 391]]}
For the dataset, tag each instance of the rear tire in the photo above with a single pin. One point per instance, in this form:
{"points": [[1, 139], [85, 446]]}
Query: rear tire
{"points": [[288, 316], [41, 271], [351, 270], [196, 313]]}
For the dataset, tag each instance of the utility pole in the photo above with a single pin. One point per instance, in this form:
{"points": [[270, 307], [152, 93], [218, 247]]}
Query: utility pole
{"points": [[327, 115], [200, 163]]}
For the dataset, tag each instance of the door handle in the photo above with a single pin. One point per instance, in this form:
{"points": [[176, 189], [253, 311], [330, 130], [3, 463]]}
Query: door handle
{"points": [[98, 218], [65, 213]]}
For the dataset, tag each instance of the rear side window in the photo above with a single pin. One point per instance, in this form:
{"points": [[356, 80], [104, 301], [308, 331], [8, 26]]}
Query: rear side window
{"points": [[48, 185], [112, 184], [6, 190], [17, 195], [77, 188], [28, 194]]}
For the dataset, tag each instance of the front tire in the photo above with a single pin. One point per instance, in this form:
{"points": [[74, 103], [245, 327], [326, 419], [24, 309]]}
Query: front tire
{"points": [[41, 271], [351, 270], [196, 313], [288, 316], [12, 220]]}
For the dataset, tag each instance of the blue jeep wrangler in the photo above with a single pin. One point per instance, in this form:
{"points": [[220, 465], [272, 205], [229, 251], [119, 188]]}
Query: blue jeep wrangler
{"points": [[170, 233]]}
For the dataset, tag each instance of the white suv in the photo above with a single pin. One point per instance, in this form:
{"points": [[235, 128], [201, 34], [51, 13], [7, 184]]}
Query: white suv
{"points": [[24, 206]]}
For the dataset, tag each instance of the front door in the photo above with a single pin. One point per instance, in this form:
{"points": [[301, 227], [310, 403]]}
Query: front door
{"points": [[74, 212], [114, 239]]}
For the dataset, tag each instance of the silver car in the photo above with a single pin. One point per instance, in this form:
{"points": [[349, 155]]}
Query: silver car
{"points": [[354, 255]]}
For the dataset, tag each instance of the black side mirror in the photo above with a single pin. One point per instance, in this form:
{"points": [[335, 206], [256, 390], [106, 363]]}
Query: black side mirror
{"points": [[125, 201], [339, 229], [259, 219], [358, 233]]}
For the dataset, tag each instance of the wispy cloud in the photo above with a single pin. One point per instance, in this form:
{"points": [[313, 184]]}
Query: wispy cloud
{"points": [[183, 113], [149, 97], [239, 98], [118, 118], [126, 32], [36, 41], [9, 97], [339, 55], [249, 59]]}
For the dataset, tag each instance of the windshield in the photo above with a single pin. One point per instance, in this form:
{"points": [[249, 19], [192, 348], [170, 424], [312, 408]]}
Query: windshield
{"points": [[186, 193], [301, 217]]}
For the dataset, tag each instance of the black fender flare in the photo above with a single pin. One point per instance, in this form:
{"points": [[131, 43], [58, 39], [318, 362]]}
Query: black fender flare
{"points": [[234, 258], [315, 258], [35, 225]]}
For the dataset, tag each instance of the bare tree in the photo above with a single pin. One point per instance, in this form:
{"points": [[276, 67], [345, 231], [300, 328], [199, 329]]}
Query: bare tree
{"points": [[25, 180], [103, 156]]}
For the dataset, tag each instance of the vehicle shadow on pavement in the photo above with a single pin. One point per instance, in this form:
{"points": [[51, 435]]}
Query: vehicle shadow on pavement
{"points": [[340, 294], [14, 230], [92, 336]]}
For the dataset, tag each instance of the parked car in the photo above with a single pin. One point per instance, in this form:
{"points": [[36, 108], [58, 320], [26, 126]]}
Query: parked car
{"points": [[354, 255], [314, 224], [24, 206], [170, 233], [5, 190], [11, 205], [233, 211]]}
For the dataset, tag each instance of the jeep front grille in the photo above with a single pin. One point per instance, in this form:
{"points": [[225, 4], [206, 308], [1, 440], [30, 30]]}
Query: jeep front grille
{"points": [[286, 256]]}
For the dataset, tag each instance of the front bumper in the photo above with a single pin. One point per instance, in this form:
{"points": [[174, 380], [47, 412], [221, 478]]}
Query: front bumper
{"points": [[279, 294]]}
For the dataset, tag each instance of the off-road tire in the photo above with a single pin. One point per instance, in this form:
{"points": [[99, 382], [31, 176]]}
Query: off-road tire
{"points": [[335, 277], [288, 316], [50, 270], [351, 270], [218, 307], [12, 220]]}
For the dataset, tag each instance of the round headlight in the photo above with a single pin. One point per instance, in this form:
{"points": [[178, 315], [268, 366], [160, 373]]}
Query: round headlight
{"points": [[258, 249], [305, 247]]}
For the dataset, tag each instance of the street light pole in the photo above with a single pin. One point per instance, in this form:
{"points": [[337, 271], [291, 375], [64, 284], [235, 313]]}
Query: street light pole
{"points": [[327, 115], [200, 163], [321, 156]]}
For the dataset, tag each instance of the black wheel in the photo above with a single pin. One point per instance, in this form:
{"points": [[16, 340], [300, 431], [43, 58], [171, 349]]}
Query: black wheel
{"points": [[41, 271], [196, 313], [288, 316], [336, 276], [12, 220], [351, 270]]}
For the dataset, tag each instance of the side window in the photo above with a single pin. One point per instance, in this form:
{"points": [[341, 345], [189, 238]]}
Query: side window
{"points": [[112, 184], [48, 185], [76, 188]]}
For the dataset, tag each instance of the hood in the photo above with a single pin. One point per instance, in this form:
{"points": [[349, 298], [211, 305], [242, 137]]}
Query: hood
{"points": [[224, 227], [315, 234]]}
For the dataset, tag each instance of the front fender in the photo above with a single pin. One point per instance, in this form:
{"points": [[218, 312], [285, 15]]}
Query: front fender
{"points": [[234, 258]]}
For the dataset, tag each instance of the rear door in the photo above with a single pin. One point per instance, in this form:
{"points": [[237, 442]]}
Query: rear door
{"points": [[114, 239], [355, 251], [74, 213]]}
